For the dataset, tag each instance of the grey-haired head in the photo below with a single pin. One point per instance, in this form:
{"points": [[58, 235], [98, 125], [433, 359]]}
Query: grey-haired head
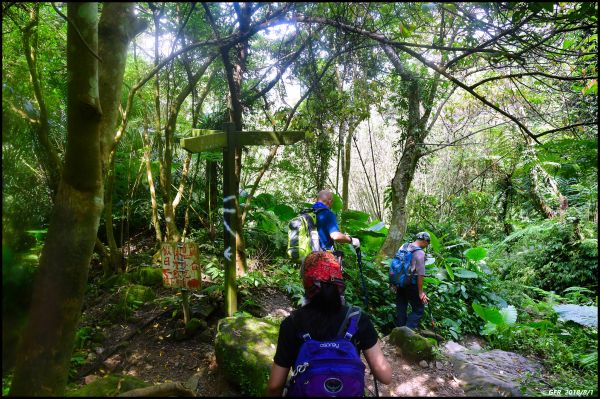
{"points": [[423, 236]]}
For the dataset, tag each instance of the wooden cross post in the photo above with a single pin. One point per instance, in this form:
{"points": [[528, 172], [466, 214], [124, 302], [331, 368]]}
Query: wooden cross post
{"points": [[228, 139]]}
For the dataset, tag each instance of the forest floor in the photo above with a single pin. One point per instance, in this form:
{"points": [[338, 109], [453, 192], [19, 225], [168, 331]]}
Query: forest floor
{"points": [[151, 346]]}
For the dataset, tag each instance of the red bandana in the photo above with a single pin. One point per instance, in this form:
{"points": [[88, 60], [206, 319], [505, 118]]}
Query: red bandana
{"points": [[323, 267]]}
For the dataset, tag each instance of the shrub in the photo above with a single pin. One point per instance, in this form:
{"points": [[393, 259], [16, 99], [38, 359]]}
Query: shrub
{"points": [[549, 256]]}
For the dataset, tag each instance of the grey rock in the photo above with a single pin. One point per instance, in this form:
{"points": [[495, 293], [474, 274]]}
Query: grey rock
{"points": [[491, 373]]}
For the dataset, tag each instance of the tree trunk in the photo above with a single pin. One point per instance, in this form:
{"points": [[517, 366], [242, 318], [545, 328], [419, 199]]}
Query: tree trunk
{"points": [[210, 197], [164, 389], [60, 283], [416, 132], [117, 261], [235, 77], [408, 162], [322, 158], [339, 160], [46, 347], [505, 205], [147, 149], [351, 128], [170, 205], [403, 176], [117, 27], [44, 150]]}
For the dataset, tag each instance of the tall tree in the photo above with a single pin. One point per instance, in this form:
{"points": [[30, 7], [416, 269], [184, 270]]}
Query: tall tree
{"points": [[60, 283]]}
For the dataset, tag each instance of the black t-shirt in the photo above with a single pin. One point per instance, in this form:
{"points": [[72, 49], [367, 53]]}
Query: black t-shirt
{"points": [[290, 336]]}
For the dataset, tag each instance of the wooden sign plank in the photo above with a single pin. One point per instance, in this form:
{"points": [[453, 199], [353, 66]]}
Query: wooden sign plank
{"points": [[209, 142], [206, 140], [180, 265], [204, 132], [267, 138]]}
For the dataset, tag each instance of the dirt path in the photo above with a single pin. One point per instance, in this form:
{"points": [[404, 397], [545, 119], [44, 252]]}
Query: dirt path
{"points": [[157, 354]]}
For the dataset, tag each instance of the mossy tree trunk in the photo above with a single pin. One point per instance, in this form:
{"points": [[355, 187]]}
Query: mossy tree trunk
{"points": [[117, 27], [45, 351], [416, 132], [43, 363]]}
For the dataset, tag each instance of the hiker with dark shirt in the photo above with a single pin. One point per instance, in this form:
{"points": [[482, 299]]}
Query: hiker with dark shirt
{"points": [[323, 318]]}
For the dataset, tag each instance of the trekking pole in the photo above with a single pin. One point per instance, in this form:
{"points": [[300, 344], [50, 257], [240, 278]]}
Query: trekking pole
{"points": [[364, 286], [366, 298], [431, 317]]}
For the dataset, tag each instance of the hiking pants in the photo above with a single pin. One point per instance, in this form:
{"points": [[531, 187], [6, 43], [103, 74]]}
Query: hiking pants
{"points": [[404, 296]]}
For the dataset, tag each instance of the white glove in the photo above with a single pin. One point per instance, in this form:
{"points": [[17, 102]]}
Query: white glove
{"points": [[355, 242]]}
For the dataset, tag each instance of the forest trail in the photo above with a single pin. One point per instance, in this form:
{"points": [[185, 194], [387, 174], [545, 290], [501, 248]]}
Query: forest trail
{"points": [[151, 347]]}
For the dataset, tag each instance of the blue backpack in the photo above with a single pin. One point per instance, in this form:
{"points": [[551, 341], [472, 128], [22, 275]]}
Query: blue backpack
{"points": [[400, 273], [329, 368]]}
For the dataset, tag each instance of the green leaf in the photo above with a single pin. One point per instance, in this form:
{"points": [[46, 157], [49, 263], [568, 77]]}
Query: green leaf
{"points": [[476, 253], [489, 328], [354, 220], [491, 314], [464, 273], [567, 44], [450, 272], [284, 212], [435, 242], [337, 204], [509, 314], [453, 261], [265, 201]]}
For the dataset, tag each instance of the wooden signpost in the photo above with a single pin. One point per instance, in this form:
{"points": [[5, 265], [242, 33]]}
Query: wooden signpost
{"points": [[180, 269], [227, 140]]}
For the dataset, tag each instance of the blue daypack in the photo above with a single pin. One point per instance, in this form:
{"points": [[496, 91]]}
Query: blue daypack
{"points": [[329, 368], [400, 273]]}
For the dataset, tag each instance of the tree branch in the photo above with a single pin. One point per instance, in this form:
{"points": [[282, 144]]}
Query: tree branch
{"points": [[491, 41], [520, 75], [87, 46], [564, 128]]}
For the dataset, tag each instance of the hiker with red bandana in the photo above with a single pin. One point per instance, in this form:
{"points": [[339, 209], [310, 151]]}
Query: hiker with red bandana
{"points": [[334, 329]]}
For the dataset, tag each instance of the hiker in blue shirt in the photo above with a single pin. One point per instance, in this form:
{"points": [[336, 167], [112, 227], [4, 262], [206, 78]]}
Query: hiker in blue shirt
{"points": [[327, 226]]}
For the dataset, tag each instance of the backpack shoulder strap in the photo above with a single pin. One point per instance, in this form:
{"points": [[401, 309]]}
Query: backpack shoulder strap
{"points": [[415, 249], [344, 322], [352, 316]]}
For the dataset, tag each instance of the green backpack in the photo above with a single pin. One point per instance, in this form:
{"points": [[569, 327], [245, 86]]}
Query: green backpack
{"points": [[303, 237]]}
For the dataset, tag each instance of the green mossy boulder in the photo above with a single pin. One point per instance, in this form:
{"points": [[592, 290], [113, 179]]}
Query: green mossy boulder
{"points": [[115, 280], [194, 325], [138, 294], [413, 346], [244, 348], [110, 385], [148, 276], [131, 298]]}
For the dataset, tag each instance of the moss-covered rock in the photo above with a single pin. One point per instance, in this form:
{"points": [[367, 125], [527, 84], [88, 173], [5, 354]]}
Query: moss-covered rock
{"points": [[138, 294], [131, 298], [244, 347], [110, 385], [148, 276], [115, 280], [413, 346], [194, 325]]}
